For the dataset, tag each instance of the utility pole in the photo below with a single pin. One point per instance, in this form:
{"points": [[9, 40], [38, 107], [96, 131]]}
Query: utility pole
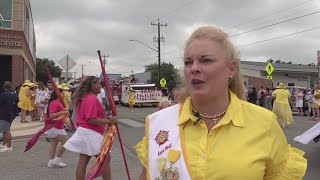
{"points": [[67, 70], [159, 40], [82, 69], [104, 59]]}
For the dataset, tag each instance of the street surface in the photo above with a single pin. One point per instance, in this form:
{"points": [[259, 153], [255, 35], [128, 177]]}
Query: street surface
{"points": [[33, 164]]}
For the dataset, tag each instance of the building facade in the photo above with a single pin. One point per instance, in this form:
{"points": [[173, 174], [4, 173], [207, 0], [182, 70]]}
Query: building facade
{"points": [[17, 42], [289, 74]]}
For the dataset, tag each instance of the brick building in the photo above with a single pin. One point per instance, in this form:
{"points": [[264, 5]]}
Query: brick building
{"points": [[17, 42]]}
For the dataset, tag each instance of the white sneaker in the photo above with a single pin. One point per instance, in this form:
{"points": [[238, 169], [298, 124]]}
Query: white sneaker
{"points": [[59, 163], [6, 149], [2, 146], [50, 163]]}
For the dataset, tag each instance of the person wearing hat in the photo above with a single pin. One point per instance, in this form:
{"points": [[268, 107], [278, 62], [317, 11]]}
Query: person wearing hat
{"points": [[281, 105], [32, 94], [41, 101], [24, 100], [132, 98], [67, 100], [316, 103]]}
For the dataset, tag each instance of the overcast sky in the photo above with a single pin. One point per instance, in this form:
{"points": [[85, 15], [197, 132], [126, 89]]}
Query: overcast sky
{"points": [[80, 28]]}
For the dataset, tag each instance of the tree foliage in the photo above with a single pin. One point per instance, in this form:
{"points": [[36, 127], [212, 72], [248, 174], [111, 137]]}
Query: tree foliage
{"points": [[167, 71], [41, 71]]}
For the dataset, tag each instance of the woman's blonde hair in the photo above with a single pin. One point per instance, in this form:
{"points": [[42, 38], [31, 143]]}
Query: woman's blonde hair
{"points": [[236, 84]]}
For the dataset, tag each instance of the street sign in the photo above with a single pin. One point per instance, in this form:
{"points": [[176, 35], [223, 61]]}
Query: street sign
{"points": [[318, 56], [67, 63], [163, 82], [269, 77], [269, 68]]}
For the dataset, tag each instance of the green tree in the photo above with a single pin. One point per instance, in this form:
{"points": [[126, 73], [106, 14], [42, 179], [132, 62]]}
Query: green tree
{"points": [[270, 61], [168, 72], [41, 72]]}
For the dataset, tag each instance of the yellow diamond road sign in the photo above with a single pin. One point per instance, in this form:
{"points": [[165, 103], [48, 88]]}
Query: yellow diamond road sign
{"points": [[163, 82], [269, 77], [269, 68]]}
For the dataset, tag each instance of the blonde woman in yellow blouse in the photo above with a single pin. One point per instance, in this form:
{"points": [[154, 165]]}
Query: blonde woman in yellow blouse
{"points": [[213, 133], [316, 104]]}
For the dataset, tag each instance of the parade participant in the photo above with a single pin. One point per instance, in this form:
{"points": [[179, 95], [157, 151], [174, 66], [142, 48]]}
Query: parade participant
{"points": [[32, 94], [24, 100], [57, 134], [131, 98], [164, 102], [91, 121], [41, 100], [214, 133], [299, 102], [67, 100], [281, 105], [316, 104], [8, 106]]}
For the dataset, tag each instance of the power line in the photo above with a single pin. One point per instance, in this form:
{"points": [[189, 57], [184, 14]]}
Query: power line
{"points": [[272, 13], [175, 9], [279, 37], [275, 23]]}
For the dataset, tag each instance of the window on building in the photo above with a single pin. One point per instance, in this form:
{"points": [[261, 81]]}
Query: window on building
{"points": [[5, 13], [290, 84]]}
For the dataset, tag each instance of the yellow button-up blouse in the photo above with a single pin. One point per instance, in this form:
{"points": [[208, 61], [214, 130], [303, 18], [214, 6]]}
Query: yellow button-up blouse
{"points": [[247, 144]]}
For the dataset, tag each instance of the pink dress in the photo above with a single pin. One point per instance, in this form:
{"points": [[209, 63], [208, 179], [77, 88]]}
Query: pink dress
{"points": [[90, 107], [88, 137], [54, 107]]}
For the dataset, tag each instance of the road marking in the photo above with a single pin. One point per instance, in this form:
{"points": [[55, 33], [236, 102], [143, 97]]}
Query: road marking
{"points": [[131, 123]]}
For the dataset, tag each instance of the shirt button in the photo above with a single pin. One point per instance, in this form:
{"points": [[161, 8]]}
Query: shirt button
{"points": [[203, 156]]}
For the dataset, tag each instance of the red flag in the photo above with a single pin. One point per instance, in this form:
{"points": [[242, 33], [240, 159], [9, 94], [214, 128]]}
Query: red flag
{"points": [[96, 170], [49, 123]]}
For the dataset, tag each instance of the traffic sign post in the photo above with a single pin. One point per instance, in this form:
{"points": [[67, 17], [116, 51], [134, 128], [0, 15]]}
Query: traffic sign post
{"points": [[269, 68], [163, 82]]}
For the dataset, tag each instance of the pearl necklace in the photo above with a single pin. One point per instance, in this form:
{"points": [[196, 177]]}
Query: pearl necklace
{"points": [[213, 118]]}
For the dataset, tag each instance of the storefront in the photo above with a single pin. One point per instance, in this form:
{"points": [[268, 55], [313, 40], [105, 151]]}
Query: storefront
{"points": [[17, 42]]}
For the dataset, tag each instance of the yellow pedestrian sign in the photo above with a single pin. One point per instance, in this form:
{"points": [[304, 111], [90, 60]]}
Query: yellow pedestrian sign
{"points": [[163, 82], [269, 77], [269, 68]]}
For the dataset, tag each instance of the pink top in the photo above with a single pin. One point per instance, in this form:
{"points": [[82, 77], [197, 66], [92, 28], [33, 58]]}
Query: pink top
{"points": [[90, 107], [54, 107], [299, 95]]}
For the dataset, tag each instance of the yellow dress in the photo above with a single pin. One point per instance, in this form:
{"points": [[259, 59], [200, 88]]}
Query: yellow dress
{"points": [[246, 144], [24, 100], [132, 97], [281, 105], [315, 102]]}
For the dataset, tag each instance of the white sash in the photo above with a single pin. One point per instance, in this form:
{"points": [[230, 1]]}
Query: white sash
{"points": [[163, 135]]}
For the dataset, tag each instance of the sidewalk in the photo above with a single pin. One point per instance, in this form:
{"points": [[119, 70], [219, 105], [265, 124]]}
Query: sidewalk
{"points": [[20, 130]]}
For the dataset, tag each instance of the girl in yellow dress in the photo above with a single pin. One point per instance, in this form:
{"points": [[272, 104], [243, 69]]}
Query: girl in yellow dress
{"points": [[316, 103], [24, 100], [281, 105], [132, 98]]}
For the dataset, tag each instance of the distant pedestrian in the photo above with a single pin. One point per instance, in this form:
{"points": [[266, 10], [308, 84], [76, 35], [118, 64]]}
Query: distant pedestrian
{"points": [[131, 98], [299, 101], [281, 105], [41, 95], [24, 100], [8, 105], [316, 104], [267, 99]]}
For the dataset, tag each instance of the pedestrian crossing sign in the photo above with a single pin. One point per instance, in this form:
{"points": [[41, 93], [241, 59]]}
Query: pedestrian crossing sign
{"points": [[269, 68], [269, 77]]}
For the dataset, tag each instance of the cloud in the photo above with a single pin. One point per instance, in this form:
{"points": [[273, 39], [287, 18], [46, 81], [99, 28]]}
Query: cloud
{"points": [[80, 28]]}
